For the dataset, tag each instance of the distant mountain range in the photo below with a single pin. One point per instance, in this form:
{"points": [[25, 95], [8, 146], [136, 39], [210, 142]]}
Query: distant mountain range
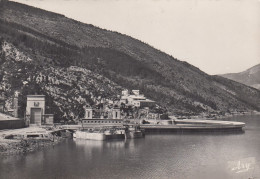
{"points": [[74, 64], [250, 77]]}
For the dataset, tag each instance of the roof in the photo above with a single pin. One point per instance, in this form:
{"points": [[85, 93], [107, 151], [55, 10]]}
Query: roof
{"points": [[36, 96], [137, 96], [147, 101]]}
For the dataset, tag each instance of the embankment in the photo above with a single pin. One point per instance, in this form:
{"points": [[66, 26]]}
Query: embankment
{"points": [[21, 146]]}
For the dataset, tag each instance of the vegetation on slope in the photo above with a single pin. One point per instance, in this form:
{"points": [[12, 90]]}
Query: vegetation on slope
{"points": [[53, 41]]}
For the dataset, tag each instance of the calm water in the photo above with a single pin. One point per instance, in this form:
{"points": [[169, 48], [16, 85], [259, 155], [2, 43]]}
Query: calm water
{"points": [[156, 156]]}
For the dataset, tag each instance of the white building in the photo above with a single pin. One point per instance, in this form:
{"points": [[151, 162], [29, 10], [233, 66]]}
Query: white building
{"points": [[35, 110], [136, 99]]}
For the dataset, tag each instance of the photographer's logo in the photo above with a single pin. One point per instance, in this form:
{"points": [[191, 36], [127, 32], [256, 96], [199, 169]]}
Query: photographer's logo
{"points": [[242, 165]]}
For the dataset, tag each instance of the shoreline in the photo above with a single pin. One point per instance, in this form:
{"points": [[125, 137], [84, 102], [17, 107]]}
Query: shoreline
{"points": [[29, 139], [10, 147]]}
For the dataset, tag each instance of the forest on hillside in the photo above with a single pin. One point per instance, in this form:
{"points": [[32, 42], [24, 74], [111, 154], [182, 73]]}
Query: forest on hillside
{"points": [[178, 86]]}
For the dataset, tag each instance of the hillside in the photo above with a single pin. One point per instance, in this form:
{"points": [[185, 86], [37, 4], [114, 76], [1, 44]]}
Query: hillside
{"points": [[75, 64], [250, 77]]}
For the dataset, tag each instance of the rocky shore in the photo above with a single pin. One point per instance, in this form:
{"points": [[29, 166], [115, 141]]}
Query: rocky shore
{"points": [[22, 146]]}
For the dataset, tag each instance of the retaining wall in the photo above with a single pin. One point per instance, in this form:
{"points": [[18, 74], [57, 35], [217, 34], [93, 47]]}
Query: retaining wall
{"points": [[12, 124]]}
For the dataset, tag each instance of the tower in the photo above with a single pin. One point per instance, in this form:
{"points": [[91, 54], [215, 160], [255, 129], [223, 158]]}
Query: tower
{"points": [[88, 113], [116, 113], [16, 104]]}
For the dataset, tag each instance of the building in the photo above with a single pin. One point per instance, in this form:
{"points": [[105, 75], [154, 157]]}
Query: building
{"points": [[96, 122], [135, 99], [35, 110], [114, 119]]}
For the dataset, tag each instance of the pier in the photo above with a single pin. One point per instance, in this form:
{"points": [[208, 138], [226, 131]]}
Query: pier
{"points": [[195, 125]]}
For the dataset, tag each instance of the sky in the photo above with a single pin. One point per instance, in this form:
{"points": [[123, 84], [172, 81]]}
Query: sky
{"points": [[217, 36]]}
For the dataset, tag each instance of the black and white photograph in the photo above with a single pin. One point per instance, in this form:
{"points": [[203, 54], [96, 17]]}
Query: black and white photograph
{"points": [[129, 89]]}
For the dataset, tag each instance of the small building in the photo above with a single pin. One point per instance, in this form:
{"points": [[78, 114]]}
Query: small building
{"points": [[35, 110]]}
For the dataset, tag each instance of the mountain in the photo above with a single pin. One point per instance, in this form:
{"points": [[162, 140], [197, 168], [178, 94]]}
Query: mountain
{"points": [[74, 64], [250, 77]]}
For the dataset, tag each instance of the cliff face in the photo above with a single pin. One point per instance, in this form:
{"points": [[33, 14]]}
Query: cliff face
{"points": [[67, 89], [250, 77], [76, 63]]}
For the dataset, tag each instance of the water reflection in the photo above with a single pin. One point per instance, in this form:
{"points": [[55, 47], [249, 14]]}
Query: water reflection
{"points": [[90, 146], [95, 144], [228, 155]]}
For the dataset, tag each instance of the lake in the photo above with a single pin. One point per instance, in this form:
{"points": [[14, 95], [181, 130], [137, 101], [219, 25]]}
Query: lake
{"points": [[178, 156]]}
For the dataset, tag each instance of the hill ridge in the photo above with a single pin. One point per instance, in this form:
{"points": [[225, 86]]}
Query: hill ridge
{"points": [[250, 77], [56, 42]]}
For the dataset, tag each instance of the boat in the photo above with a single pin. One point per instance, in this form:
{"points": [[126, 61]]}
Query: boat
{"points": [[102, 134]]}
